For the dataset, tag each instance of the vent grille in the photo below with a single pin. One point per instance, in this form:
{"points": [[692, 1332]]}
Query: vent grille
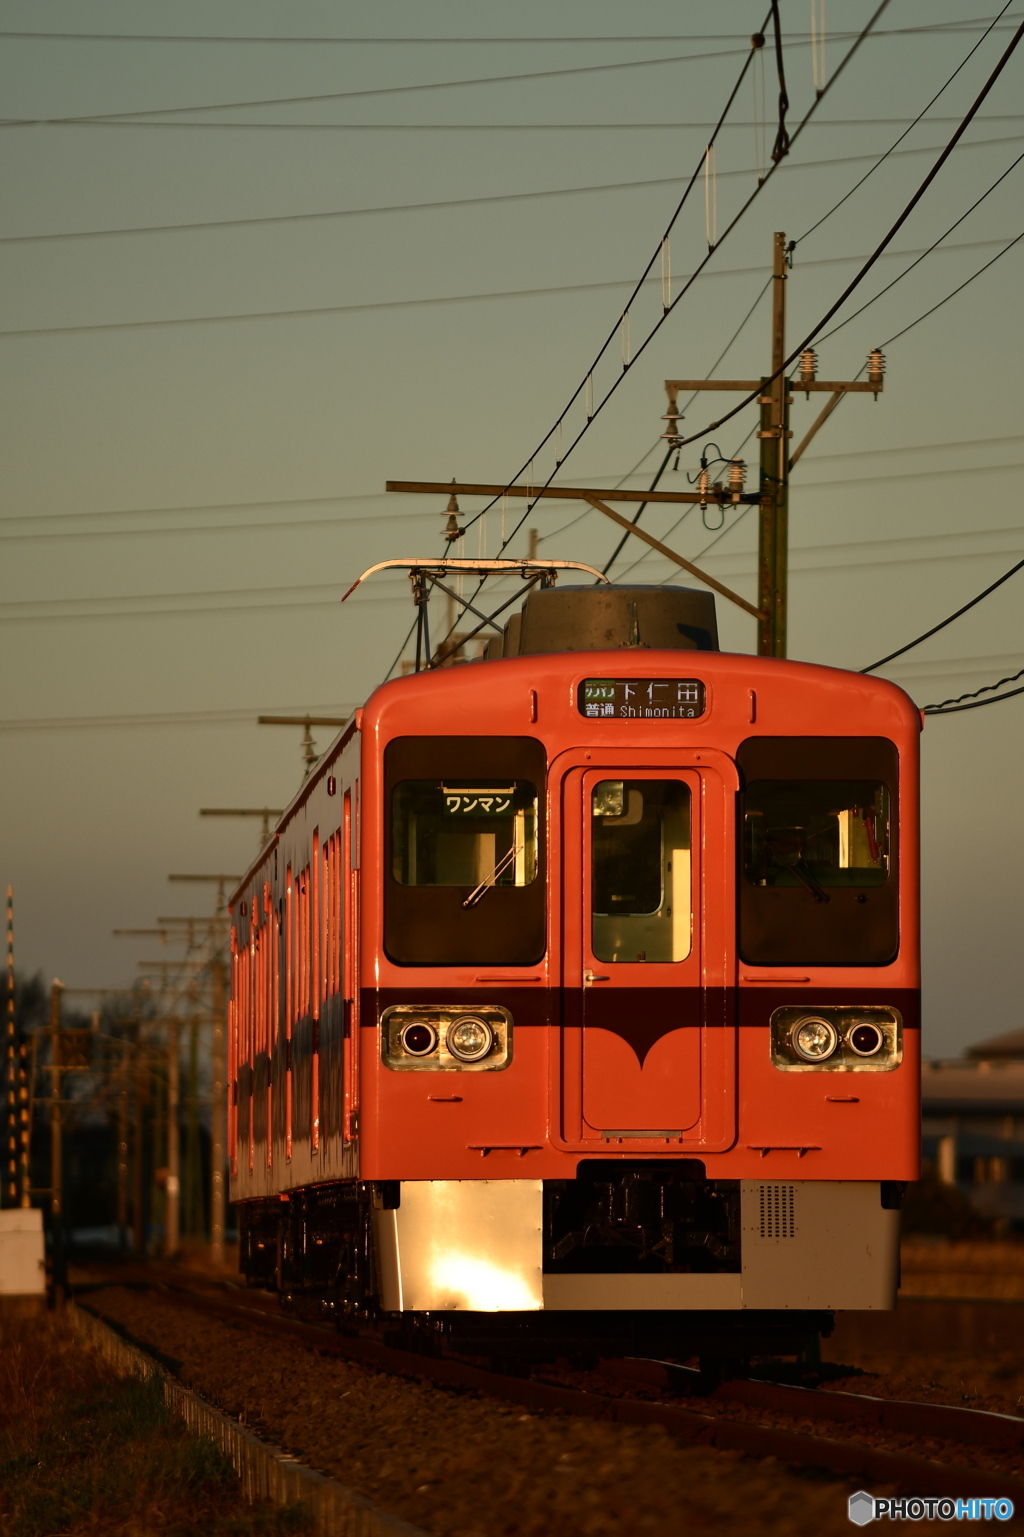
{"points": [[778, 1211]]}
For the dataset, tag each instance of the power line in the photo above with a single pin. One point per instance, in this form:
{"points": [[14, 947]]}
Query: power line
{"points": [[436, 299], [380, 90], [944, 707], [903, 135], [955, 709], [735, 335], [670, 308], [200, 528], [966, 24], [798, 41], [461, 202], [28, 609], [143, 718], [953, 294], [900, 276], [367, 496], [880, 248], [608, 127], [133, 512], [944, 622]]}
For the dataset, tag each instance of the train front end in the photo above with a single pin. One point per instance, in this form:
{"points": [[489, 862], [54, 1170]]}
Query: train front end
{"points": [[637, 1001]]}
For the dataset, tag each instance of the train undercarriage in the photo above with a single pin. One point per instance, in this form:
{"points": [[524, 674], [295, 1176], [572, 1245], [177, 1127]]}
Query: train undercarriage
{"points": [[320, 1248]]}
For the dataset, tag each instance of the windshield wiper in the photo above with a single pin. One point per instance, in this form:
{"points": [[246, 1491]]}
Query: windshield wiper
{"points": [[489, 880], [794, 862]]}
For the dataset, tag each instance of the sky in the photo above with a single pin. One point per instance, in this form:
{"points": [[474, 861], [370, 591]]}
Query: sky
{"points": [[257, 277]]}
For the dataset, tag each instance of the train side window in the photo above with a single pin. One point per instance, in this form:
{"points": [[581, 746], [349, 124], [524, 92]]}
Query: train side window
{"points": [[640, 870], [464, 851], [454, 832], [819, 851]]}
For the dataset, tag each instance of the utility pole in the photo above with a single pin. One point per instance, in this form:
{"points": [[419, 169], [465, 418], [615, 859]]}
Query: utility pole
{"points": [[9, 1194], [773, 529], [218, 1112], [218, 1059], [172, 1215], [771, 497], [309, 753], [266, 815], [122, 1146], [56, 1145], [776, 463]]}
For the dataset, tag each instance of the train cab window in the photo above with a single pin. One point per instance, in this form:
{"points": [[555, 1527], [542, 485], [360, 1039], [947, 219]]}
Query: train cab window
{"points": [[816, 833], [818, 851], [455, 833], [640, 870], [464, 851]]}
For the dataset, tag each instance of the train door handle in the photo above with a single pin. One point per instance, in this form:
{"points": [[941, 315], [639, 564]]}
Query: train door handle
{"points": [[590, 977]]}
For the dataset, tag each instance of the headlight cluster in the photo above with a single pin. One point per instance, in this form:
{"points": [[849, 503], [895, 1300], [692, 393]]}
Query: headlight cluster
{"points": [[867, 1039], [439, 1038]]}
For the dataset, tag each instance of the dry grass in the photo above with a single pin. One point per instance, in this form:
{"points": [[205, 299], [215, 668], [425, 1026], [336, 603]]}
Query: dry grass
{"points": [[84, 1451], [974, 1268]]}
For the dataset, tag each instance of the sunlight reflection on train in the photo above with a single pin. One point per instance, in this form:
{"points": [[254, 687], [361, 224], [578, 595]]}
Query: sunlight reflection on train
{"points": [[480, 1286]]}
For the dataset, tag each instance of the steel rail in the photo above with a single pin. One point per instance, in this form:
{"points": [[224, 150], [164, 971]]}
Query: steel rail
{"points": [[914, 1474]]}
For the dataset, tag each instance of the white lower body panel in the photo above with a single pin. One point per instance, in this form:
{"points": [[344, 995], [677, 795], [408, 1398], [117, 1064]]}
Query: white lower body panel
{"points": [[476, 1246]]}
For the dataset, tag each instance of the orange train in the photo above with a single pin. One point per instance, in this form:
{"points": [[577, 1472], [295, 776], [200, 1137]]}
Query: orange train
{"points": [[576, 996]]}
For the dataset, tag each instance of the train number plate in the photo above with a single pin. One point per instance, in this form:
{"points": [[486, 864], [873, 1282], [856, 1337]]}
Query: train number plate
{"points": [[641, 698]]}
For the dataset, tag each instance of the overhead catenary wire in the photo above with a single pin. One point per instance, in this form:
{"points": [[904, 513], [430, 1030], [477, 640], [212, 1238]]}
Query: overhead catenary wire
{"points": [[917, 261], [879, 250], [763, 182], [721, 356], [910, 128]]}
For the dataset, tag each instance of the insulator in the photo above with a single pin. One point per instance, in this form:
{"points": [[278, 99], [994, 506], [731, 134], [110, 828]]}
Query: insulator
{"points": [[808, 365], [453, 502], [452, 530], [672, 416], [703, 485], [737, 477], [876, 365]]}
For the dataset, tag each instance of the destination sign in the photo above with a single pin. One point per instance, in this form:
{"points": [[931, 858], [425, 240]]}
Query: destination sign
{"points": [[641, 698]]}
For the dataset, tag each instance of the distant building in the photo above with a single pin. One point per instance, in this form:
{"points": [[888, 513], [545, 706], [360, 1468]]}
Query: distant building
{"points": [[973, 1124]]}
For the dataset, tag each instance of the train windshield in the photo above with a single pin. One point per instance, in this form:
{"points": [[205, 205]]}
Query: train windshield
{"points": [[640, 864], [817, 834], [478, 833]]}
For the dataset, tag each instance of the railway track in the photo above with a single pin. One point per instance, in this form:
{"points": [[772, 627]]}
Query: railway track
{"points": [[842, 1414]]}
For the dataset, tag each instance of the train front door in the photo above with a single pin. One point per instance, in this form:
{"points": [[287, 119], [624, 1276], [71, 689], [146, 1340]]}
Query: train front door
{"points": [[649, 955]]}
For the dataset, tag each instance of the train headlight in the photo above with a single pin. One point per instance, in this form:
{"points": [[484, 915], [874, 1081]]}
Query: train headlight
{"points": [[865, 1040], [469, 1039], [815, 1039], [419, 1039]]}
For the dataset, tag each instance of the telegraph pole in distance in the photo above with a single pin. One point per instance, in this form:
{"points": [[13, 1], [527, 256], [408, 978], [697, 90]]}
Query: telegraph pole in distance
{"points": [[309, 752], [263, 812], [218, 1062], [56, 1145], [776, 460]]}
